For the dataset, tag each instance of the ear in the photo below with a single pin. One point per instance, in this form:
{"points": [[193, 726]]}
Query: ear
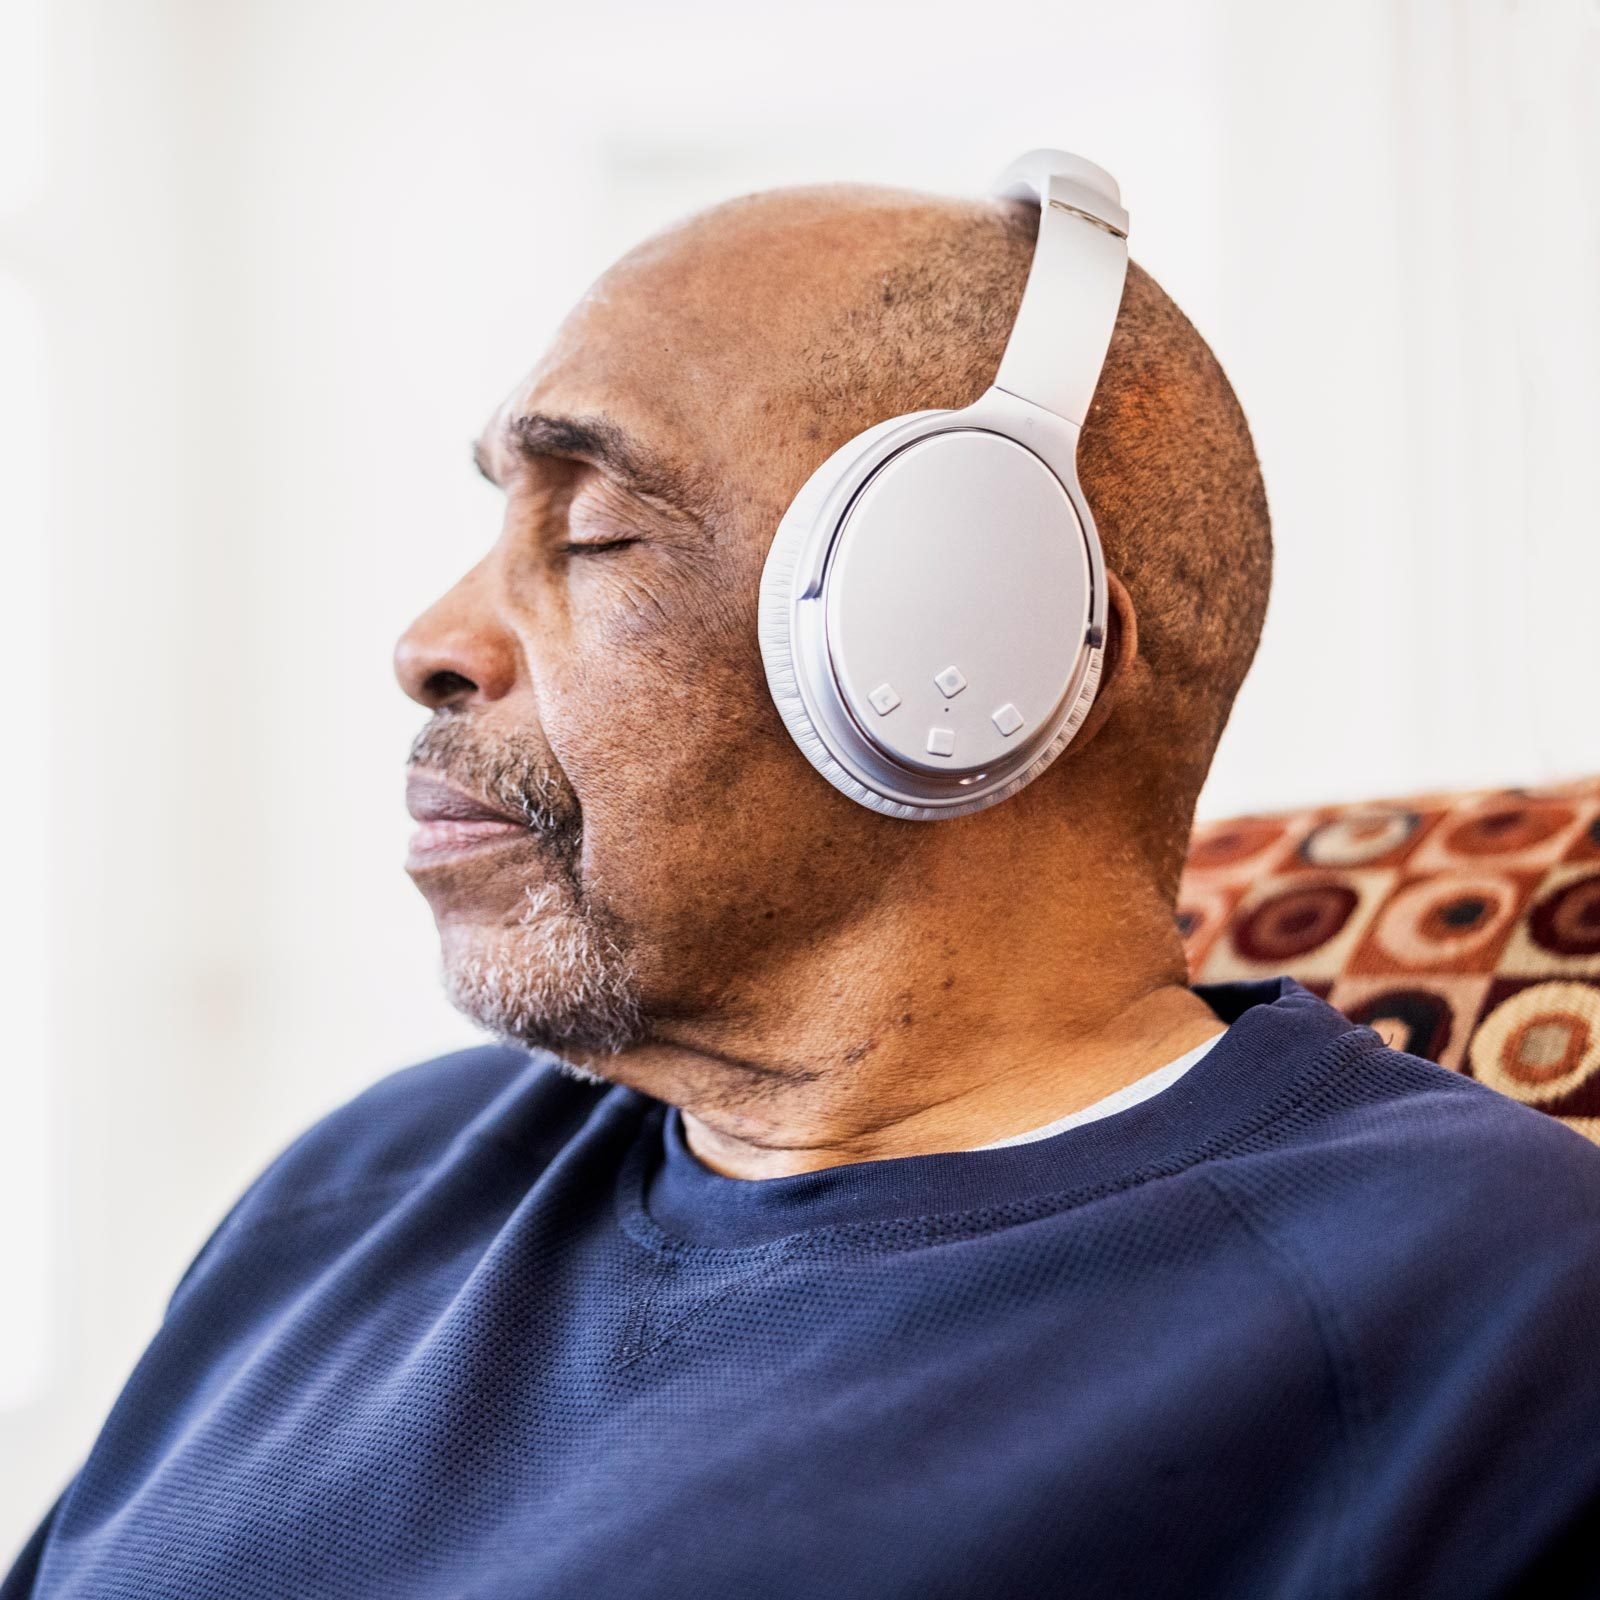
{"points": [[1122, 650]]}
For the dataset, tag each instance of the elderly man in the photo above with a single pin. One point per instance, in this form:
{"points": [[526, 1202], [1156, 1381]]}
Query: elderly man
{"points": [[860, 1201]]}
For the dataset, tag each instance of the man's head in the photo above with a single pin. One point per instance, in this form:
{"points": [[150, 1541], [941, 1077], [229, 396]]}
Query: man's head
{"points": [[597, 676]]}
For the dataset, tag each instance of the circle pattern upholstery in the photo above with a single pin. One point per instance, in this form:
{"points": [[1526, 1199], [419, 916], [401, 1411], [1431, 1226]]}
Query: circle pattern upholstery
{"points": [[1461, 927]]}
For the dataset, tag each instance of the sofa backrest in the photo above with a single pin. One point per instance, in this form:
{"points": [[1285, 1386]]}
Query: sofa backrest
{"points": [[1463, 927]]}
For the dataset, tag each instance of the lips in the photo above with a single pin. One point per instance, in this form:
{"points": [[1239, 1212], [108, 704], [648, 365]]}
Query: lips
{"points": [[451, 821]]}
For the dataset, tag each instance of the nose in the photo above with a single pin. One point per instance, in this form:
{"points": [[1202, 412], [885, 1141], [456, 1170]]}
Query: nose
{"points": [[457, 653]]}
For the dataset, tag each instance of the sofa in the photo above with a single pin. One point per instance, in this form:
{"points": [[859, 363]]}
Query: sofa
{"points": [[1463, 927]]}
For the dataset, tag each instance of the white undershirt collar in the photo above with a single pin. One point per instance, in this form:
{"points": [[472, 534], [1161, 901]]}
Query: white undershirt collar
{"points": [[1130, 1094]]}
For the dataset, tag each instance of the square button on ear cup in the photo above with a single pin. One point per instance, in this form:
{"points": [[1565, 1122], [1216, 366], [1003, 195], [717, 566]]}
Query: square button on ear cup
{"points": [[941, 741], [950, 681]]}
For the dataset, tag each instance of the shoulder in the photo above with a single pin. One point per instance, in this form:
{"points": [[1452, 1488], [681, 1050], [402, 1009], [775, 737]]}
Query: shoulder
{"points": [[1425, 1212], [1394, 1140], [1446, 1243], [403, 1120], [404, 1124]]}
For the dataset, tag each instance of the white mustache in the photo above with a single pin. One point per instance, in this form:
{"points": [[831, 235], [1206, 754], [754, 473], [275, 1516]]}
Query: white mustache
{"points": [[508, 772]]}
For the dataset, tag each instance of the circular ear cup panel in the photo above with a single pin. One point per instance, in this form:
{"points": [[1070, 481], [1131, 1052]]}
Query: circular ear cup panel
{"points": [[924, 612], [956, 603]]}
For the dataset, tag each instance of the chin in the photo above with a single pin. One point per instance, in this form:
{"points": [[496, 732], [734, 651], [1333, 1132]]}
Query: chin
{"points": [[552, 979]]}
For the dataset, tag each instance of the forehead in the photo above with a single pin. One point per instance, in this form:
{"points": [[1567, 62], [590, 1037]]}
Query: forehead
{"points": [[707, 341]]}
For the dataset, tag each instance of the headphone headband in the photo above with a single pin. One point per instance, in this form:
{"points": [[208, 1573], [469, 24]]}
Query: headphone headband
{"points": [[1069, 306]]}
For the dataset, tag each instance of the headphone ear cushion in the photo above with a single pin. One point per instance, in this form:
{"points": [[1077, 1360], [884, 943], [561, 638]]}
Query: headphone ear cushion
{"points": [[778, 578], [775, 614]]}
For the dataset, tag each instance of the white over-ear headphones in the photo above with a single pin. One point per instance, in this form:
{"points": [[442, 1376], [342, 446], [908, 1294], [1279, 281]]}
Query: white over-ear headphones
{"points": [[933, 607]]}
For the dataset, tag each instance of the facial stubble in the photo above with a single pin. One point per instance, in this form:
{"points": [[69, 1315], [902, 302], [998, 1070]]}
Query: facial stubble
{"points": [[558, 976]]}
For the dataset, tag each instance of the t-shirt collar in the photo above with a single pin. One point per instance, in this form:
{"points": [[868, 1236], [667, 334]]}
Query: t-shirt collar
{"points": [[1278, 1033]]}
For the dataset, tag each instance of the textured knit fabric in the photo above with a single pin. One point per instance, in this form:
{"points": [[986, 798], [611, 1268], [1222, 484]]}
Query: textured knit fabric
{"points": [[1130, 1094], [1320, 1320]]}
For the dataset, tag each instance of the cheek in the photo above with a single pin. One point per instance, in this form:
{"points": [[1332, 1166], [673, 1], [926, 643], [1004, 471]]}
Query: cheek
{"points": [[704, 827], [705, 830], [660, 684], [670, 738], [661, 721]]}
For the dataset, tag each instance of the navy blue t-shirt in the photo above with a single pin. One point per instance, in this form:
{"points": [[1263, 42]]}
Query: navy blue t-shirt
{"points": [[1320, 1319]]}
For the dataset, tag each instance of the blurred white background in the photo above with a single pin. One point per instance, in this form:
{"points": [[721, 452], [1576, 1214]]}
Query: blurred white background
{"points": [[265, 267]]}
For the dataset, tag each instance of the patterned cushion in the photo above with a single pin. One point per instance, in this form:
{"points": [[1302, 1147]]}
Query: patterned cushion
{"points": [[1463, 927]]}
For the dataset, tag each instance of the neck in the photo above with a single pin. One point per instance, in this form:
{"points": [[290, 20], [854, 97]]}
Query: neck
{"points": [[932, 1022]]}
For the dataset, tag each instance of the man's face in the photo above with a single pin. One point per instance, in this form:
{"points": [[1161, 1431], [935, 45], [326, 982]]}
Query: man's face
{"points": [[617, 835]]}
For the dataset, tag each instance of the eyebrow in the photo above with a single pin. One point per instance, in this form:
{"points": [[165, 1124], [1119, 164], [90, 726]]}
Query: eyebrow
{"points": [[541, 435]]}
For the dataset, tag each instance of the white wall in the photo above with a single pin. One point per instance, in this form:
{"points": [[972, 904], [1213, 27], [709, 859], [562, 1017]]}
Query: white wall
{"points": [[281, 259]]}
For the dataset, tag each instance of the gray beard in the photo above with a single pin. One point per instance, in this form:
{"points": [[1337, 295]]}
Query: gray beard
{"points": [[560, 977], [553, 981]]}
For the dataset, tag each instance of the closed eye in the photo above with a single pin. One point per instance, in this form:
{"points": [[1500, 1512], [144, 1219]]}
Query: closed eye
{"points": [[593, 546]]}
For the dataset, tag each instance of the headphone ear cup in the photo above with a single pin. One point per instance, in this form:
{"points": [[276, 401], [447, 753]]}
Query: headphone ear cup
{"points": [[778, 576], [932, 611]]}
